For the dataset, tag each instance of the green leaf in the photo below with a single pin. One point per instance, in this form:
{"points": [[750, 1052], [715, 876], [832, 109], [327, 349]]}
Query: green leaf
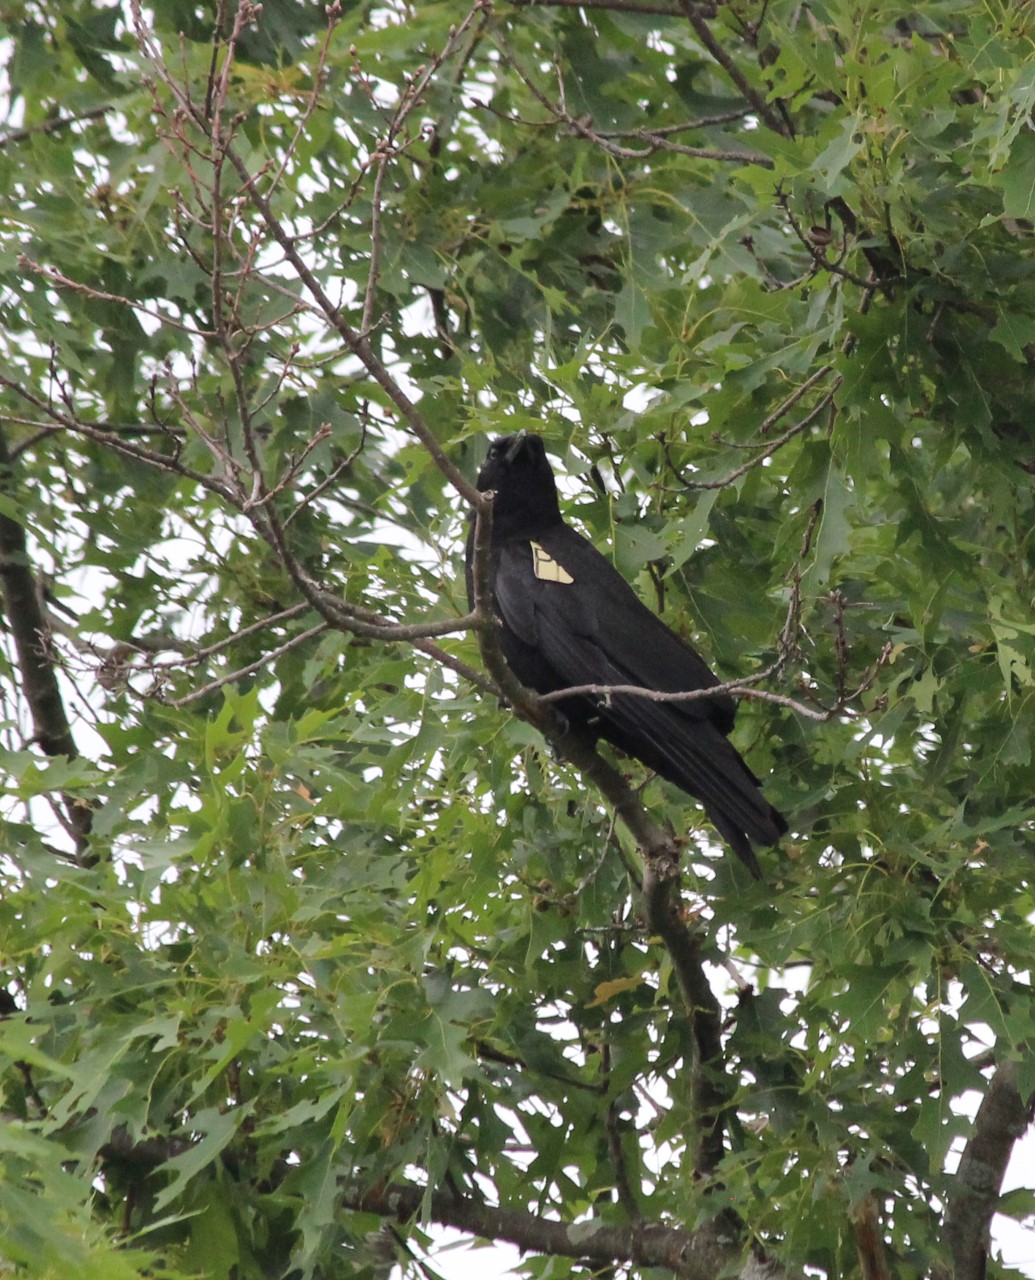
{"points": [[1016, 180], [211, 1133]]}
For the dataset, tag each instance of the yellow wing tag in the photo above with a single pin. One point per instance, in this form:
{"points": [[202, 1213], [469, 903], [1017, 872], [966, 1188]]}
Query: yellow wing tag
{"points": [[546, 567]]}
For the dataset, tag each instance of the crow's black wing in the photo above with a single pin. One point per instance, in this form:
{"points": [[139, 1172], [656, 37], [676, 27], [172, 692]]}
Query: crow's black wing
{"points": [[630, 633], [598, 612], [595, 630]]}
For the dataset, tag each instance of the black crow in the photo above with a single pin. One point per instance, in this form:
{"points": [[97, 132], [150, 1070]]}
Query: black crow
{"points": [[569, 618]]}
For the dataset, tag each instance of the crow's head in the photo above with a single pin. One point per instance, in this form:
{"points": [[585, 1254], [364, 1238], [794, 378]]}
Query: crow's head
{"points": [[517, 471]]}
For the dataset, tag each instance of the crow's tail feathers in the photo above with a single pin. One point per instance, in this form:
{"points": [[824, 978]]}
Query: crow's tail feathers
{"points": [[737, 841], [732, 798], [698, 757]]}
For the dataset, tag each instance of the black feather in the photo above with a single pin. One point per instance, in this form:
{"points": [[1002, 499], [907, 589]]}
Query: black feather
{"points": [[587, 626]]}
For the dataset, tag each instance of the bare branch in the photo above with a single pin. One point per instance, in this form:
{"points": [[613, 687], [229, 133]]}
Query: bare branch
{"points": [[55, 277], [666, 130], [788, 403], [265, 661], [117, 441], [339, 470], [751, 94], [295, 465], [383, 155], [741, 687], [774, 445], [333, 12], [41, 430], [52, 126], [694, 1255], [357, 621], [618, 6], [654, 141], [389, 148]]}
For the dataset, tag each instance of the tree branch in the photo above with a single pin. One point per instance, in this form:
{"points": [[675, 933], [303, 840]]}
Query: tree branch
{"points": [[1002, 1118], [694, 1255], [869, 1240], [52, 126], [751, 94], [771, 448], [654, 142], [263, 663], [710, 1089], [117, 441], [618, 6], [740, 687], [29, 627]]}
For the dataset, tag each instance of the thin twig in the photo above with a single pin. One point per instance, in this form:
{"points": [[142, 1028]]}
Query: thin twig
{"points": [[773, 446], [52, 126], [664, 130], [295, 465], [615, 1150], [816, 252], [197, 656], [333, 13], [740, 687], [655, 143], [42, 430], [582, 127], [331, 479], [751, 94], [618, 6], [383, 155], [785, 406], [112, 440], [261, 663], [55, 277]]}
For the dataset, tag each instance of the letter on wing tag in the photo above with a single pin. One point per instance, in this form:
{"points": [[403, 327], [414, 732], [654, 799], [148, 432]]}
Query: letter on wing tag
{"points": [[546, 567]]}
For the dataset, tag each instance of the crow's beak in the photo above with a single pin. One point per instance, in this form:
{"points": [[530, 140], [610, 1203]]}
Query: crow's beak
{"points": [[516, 445]]}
